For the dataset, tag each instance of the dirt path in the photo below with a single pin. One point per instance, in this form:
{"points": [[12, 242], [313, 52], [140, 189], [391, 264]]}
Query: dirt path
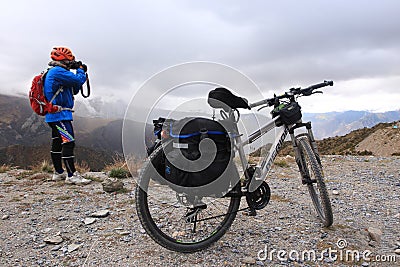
{"points": [[365, 195]]}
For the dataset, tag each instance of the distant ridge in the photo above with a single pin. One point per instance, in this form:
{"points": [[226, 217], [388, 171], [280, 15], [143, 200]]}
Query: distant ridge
{"points": [[341, 123], [382, 139]]}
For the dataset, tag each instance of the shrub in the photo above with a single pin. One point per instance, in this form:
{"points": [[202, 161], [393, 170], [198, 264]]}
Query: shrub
{"points": [[365, 153], [119, 172], [118, 169]]}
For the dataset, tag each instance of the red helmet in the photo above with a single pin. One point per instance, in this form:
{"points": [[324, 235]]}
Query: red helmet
{"points": [[61, 53]]}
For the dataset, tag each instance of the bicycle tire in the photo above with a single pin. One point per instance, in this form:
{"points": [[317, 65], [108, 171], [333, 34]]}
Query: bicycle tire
{"points": [[158, 235], [319, 194]]}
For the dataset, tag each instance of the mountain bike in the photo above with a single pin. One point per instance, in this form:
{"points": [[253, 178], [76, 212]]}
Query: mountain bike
{"points": [[187, 223]]}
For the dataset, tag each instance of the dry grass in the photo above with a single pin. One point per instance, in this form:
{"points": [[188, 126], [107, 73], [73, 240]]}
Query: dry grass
{"points": [[252, 160], [15, 199], [279, 198], [24, 174], [63, 197], [123, 191], [44, 166], [39, 176], [82, 166], [135, 164], [4, 168], [93, 178], [281, 163], [47, 167]]}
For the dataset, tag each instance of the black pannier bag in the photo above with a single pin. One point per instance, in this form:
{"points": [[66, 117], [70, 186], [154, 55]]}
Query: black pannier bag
{"points": [[200, 153], [289, 114]]}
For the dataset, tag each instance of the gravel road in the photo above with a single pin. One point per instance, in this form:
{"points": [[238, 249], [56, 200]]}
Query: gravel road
{"points": [[364, 191]]}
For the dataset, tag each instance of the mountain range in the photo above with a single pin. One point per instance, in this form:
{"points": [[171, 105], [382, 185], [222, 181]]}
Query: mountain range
{"points": [[25, 138], [325, 125], [340, 123]]}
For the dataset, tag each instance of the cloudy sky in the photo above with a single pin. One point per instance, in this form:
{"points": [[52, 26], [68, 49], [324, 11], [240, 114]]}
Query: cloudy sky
{"points": [[278, 44]]}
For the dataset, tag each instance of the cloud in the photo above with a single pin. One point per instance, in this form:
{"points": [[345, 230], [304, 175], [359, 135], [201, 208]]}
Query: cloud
{"points": [[277, 44]]}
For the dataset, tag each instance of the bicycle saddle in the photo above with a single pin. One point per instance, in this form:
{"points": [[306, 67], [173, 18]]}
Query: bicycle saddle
{"points": [[223, 98]]}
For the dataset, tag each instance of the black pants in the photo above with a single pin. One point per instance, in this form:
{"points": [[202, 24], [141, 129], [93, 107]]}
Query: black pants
{"points": [[62, 146]]}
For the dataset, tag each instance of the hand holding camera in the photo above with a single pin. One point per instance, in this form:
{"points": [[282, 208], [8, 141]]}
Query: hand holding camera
{"points": [[84, 67], [79, 65]]}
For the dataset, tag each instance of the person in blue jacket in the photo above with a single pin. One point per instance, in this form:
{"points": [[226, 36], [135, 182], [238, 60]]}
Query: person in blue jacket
{"points": [[62, 84]]}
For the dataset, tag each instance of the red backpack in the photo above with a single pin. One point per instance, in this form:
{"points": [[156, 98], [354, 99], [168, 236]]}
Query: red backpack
{"points": [[38, 101]]}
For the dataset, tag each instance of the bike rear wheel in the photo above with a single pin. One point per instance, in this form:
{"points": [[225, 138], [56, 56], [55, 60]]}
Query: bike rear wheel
{"points": [[313, 178], [180, 222]]}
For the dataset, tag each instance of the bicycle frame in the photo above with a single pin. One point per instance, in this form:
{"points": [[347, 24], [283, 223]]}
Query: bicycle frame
{"points": [[269, 159]]}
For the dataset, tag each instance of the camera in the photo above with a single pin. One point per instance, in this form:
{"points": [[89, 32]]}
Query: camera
{"points": [[74, 64]]}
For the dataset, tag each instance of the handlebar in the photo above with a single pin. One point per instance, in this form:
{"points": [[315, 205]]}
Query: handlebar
{"points": [[291, 93]]}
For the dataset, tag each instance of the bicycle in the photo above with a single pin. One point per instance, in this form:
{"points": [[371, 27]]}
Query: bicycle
{"points": [[186, 223]]}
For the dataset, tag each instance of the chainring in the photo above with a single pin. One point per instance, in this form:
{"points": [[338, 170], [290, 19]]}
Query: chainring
{"points": [[260, 197]]}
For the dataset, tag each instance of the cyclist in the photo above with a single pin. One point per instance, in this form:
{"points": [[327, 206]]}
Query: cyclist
{"points": [[60, 79]]}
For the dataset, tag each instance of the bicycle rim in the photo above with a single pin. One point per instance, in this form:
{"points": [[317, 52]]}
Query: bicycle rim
{"points": [[317, 189], [171, 220]]}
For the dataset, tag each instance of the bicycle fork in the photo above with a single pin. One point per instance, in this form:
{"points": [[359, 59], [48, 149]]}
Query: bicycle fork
{"points": [[300, 159]]}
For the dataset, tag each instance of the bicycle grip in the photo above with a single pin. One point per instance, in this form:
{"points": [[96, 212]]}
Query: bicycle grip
{"points": [[319, 85]]}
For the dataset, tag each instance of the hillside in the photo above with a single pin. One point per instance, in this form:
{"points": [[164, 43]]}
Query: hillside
{"points": [[380, 140], [383, 142], [25, 137], [361, 142]]}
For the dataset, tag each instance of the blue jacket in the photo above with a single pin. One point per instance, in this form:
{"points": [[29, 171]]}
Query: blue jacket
{"points": [[71, 83]]}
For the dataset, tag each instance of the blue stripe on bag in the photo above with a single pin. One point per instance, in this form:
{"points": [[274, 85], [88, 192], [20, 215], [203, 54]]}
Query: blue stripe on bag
{"points": [[183, 136]]}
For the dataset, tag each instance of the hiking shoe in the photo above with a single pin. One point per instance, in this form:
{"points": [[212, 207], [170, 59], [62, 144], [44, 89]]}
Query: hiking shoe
{"points": [[76, 178], [58, 176]]}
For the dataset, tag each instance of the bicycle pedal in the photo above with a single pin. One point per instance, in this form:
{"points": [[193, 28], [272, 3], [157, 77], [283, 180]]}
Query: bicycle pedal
{"points": [[200, 206], [190, 216]]}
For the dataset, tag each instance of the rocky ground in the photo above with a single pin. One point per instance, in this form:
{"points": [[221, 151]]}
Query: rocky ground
{"points": [[45, 223]]}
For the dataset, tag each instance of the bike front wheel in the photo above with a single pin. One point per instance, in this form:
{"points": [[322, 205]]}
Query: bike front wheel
{"points": [[178, 221], [312, 176]]}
